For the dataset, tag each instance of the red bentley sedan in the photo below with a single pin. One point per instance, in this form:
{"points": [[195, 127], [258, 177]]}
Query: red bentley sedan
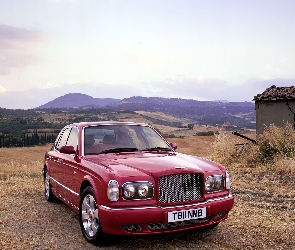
{"points": [[125, 178]]}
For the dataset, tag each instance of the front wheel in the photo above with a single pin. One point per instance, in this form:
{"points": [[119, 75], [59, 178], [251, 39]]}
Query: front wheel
{"points": [[89, 218]]}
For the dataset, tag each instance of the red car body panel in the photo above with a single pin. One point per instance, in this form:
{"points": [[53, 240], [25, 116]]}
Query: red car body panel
{"points": [[70, 173], [113, 219]]}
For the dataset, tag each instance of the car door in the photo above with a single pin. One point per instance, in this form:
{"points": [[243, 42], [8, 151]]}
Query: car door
{"points": [[71, 176], [56, 158]]}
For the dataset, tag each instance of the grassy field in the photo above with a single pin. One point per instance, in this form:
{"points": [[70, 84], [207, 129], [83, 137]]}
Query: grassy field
{"points": [[263, 216]]}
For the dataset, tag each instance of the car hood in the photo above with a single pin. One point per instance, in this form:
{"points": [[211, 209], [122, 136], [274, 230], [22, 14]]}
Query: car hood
{"points": [[155, 164]]}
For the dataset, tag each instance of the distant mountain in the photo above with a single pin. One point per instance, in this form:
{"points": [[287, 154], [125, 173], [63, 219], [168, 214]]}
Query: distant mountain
{"points": [[240, 114], [205, 112], [77, 100]]}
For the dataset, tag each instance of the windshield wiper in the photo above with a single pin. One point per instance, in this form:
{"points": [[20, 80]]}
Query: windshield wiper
{"points": [[157, 149], [118, 150]]}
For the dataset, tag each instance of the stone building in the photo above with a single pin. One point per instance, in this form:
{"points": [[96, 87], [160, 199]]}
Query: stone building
{"points": [[276, 105]]}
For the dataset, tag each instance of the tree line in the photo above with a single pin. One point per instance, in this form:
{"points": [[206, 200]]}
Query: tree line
{"points": [[26, 140]]}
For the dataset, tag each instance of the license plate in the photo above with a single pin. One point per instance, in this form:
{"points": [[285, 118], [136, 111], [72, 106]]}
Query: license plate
{"points": [[189, 214]]}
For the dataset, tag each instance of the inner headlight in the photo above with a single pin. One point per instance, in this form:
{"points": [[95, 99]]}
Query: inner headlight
{"points": [[143, 190], [214, 183], [137, 190]]}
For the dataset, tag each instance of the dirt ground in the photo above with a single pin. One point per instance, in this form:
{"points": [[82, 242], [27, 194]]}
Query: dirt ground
{"points": [[263, 216]]}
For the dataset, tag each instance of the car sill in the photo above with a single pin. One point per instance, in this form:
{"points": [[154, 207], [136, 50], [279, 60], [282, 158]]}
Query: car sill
{"points": [[73, 192]]}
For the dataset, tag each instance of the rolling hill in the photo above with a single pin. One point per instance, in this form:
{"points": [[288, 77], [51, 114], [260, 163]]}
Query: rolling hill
{"points": [[235, 114], [77, 100]]}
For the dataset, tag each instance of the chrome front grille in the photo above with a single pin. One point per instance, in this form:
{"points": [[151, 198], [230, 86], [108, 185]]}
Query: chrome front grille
{"points": [[180, 188]]}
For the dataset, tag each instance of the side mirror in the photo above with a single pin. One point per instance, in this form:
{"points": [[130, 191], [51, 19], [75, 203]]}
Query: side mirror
{"points": [[67, 150], [173, 145]]}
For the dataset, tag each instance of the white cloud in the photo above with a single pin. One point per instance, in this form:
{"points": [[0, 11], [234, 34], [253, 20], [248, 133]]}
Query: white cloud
{"points": [[2, 89], [139, 59], [50, 86], [283, 59]]}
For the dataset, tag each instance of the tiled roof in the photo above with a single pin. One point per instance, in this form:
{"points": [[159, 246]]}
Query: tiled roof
{"points": [[274, 93]]}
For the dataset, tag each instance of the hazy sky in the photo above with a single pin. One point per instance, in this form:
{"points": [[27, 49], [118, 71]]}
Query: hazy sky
{"points": [[202, 50]]}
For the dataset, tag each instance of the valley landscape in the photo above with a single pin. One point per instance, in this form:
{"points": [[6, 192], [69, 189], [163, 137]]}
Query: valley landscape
{"points": [[173, 117], [263, 216]]}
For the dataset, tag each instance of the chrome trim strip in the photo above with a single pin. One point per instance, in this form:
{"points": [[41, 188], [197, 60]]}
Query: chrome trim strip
{"points": [[171, 207], [73, 192], [201, 203], [127, 208]]}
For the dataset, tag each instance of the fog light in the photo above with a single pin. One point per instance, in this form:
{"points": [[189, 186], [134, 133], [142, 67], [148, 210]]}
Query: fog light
{"points": [[133, 228]]}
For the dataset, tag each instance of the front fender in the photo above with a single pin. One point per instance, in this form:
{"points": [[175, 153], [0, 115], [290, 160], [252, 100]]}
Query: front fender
{"points": [[97, 186]]}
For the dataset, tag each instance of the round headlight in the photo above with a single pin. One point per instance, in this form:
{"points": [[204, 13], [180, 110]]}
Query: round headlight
{"points": [[143, 190], [129, 191], [214, 183], [209, 184], [219, 182], [113, 190]]}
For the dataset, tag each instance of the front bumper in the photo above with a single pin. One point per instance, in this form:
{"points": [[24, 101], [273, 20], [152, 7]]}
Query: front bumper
{"points": [[153, 220]]}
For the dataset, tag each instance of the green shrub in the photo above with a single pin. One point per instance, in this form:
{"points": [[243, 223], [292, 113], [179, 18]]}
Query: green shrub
{"points": [[205, 133]]}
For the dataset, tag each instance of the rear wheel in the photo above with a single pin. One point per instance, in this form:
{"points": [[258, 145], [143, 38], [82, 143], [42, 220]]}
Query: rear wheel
{"points": [[47, 187], [89, 218]]}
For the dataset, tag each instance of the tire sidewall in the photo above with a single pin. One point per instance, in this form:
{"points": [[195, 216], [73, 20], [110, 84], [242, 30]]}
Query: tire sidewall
{"points": [[98, 238], [50, 197]]}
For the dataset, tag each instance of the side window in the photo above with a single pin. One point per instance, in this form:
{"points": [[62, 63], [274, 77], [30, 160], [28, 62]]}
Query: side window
{"points": [[58, 139], [62, 139], [73, 138]]}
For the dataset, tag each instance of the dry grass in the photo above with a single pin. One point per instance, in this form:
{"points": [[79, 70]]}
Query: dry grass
{"points": [[263, 216], [162, 116], [194, 145], [274, 151]]}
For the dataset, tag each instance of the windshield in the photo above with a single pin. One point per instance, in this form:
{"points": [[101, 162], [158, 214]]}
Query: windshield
{"points": [[122, 138]]}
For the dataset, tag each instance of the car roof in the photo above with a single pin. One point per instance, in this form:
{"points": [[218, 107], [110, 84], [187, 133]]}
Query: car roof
{"points": [[87, 124]]}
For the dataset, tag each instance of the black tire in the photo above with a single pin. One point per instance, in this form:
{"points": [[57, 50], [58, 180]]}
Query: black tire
{"points": [[50, 197], [89, 219]]}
